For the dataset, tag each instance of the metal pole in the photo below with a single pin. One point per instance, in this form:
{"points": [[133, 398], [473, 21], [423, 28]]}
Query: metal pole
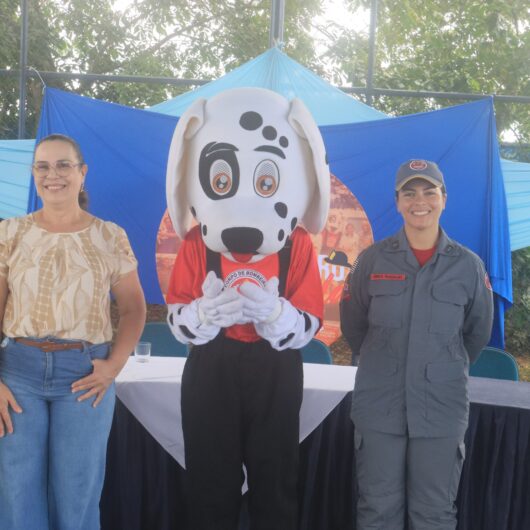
{"points": [[277, 23], [371, 53], [23, 69]]}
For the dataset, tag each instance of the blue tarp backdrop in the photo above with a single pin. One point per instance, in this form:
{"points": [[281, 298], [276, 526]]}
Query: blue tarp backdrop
{"points": [[126, 150]]}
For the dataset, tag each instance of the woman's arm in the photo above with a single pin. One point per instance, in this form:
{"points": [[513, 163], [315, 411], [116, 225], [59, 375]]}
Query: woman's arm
{"points": [[354, 306], [3, 300], [6, 397], [131, 307]]}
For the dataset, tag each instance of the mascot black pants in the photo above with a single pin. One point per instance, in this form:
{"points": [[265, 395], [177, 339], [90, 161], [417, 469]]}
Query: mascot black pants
{"points": [[240, 405]]}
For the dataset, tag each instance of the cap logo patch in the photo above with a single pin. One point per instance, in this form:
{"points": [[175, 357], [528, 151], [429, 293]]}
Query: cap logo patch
{"points": [[418, 165]]}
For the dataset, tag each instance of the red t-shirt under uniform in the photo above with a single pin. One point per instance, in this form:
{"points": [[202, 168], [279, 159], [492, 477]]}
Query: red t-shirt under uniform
{"points": [[423, 256], [303, 286]]}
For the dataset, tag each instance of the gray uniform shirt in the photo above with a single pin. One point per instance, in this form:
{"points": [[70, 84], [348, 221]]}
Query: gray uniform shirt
{"points": [[416, 330]]}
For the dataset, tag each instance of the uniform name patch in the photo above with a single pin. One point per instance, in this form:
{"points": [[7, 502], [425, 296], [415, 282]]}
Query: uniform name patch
{"points": [[391, 277]]}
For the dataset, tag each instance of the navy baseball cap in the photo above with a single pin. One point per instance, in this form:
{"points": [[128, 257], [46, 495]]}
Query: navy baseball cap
{"points": [[419, 169]]}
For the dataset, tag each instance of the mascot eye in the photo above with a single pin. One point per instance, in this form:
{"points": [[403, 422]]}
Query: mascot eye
{"points": [[219, 170], [266, 178], [221, 183], [221, 177]]}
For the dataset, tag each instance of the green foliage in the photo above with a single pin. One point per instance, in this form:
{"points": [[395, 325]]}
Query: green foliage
{"points": [[39, 52], [518, 317], [421, 44], [173, 38], [452, 46]]}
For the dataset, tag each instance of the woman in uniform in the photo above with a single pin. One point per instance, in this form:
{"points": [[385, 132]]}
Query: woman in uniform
{"points": [[417, 309]]}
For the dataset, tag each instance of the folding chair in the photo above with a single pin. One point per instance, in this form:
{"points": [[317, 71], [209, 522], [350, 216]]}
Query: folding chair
{"points": [[163, 343], [316, 352], [496, 364]]}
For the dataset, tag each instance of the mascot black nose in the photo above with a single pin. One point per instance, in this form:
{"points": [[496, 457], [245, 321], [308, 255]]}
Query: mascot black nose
{"points": [[242, 239]]}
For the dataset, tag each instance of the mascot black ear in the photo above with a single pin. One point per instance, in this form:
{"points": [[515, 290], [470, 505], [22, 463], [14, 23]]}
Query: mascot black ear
{"points": [[187, 127], [304, 125]]}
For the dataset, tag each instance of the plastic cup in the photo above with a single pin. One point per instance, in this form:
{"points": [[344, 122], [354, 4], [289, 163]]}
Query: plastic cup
{"points": [[142, 352]]}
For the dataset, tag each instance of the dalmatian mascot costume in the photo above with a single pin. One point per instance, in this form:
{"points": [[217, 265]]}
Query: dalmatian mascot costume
{"points": [[245, 291]]}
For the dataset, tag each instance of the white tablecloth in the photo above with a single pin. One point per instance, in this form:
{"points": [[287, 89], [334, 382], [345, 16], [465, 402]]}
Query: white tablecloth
{"points": [[151, 391]]}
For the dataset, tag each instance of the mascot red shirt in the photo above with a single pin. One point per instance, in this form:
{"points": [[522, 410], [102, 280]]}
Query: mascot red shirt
{"points": [[245, 292], [303, 287]]}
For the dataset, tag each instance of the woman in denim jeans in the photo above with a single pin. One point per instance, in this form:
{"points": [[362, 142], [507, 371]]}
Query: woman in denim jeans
{"points": [[57, 366]]}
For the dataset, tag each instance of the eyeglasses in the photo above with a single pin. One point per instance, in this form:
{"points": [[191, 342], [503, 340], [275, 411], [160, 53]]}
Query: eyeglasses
{"points": [[63, 168]]}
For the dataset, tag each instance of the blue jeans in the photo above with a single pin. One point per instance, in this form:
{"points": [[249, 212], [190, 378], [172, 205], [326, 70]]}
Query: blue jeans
{"points": [[52, 466]]}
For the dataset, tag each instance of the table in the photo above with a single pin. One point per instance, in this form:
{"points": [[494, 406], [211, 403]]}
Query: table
{"points": [[144, 487], [151, 391]]}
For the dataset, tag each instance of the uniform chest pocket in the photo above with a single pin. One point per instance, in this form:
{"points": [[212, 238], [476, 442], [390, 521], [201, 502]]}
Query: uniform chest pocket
{"points": [[448, 305], [386, 302]]}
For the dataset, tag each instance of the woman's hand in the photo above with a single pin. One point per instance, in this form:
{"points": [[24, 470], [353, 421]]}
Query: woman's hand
{"points": [[131, 307], [96, 384], [7, 400]]}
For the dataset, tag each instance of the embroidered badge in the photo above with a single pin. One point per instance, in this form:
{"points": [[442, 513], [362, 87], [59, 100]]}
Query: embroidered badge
{"points": [[418, 165], [487, 281], [236, 278], [389, 277]]}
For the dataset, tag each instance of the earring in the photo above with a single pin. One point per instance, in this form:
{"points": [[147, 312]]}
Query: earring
{"points": [[82, 187]]}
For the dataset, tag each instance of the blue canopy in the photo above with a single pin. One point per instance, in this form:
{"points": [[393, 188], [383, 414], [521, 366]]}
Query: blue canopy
{"points": [[126, 150], [278, 72], [517, 185], [15, 174]]}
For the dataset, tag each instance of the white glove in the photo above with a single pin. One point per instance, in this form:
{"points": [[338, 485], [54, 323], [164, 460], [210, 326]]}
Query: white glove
{"points": [[218, 306], [291, 329], [200, 321], [183, 319], [261, 304]]}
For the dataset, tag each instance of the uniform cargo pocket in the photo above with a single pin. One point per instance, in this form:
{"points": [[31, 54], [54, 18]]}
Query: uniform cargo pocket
{"points": [[386, 303], [446, 392], [448, 302], [446, 371]]}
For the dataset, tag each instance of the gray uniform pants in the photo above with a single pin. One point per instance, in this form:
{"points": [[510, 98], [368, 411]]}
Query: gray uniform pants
{"points": [[398, 475]]}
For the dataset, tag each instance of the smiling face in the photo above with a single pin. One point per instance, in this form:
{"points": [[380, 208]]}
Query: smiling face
{"points": [[249, 176], [421, 204], [52, 188]]}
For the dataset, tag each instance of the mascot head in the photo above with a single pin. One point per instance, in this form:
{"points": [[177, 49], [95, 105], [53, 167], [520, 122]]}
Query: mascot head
{"points": [[248, 165]]}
